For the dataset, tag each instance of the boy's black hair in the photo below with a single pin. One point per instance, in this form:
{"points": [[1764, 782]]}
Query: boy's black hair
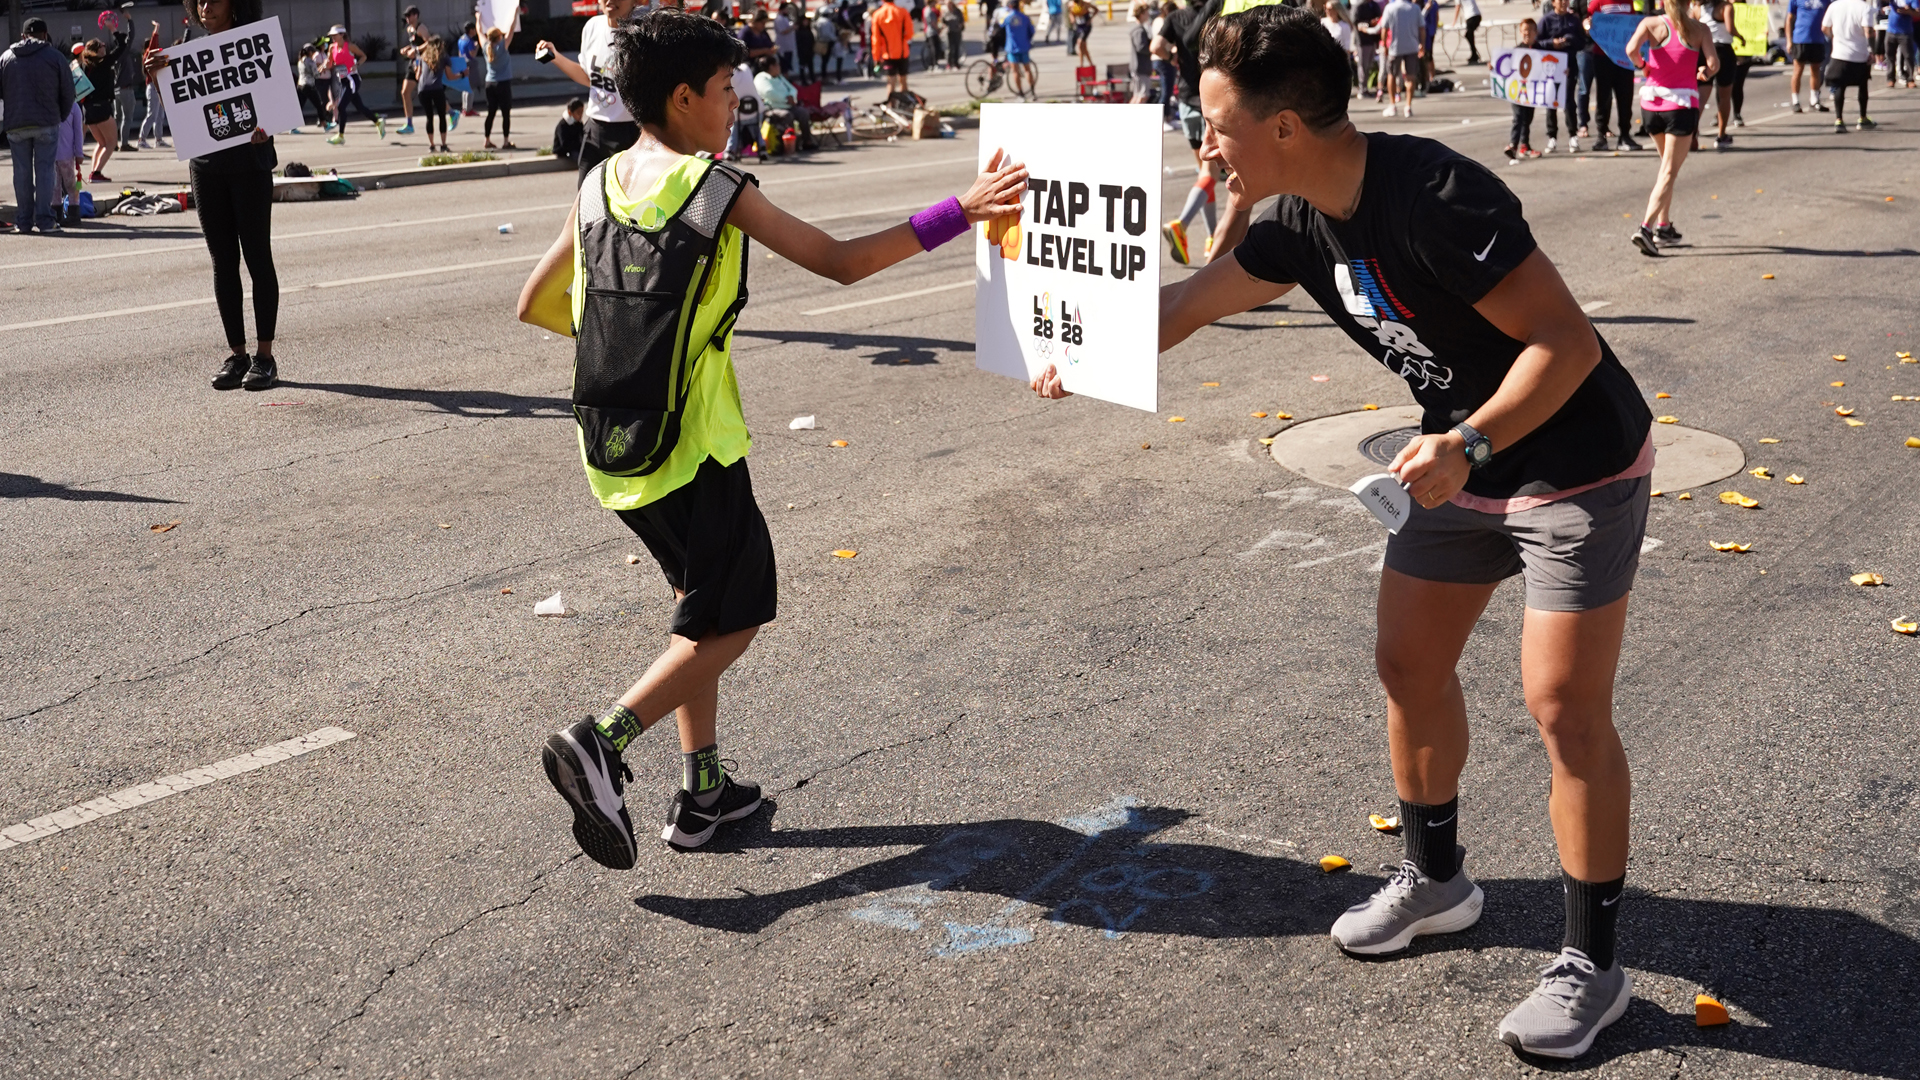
{"points": [[663, 49], [576, 103], [1280, 58]]}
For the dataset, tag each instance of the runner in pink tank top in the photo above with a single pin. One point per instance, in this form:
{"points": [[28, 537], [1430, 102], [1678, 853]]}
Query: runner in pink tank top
{"points": [[1676, 46]]}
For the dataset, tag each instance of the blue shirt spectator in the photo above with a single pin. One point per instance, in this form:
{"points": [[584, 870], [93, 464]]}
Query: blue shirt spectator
{"points": [[1019, 35], [1806, 21]]}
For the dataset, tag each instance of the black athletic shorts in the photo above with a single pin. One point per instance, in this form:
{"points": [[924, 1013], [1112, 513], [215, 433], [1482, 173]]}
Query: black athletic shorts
{"points": [[1724, 76], [895, 67], [1848, 72], [1672, 121], [712, 542], [1810, 52]]}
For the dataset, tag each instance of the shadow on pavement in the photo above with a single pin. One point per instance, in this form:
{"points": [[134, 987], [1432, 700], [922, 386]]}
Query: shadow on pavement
{"points": [[1632, 320], [1824, 987], [892, 348], [1708, 252], [22, 486], [479, 403]]}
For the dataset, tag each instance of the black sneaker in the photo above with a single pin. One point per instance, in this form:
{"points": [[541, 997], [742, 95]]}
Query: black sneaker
{"points": [[1627, 143], [1839, 127], [1648, 244], [587, 772], [1667, 234], [1865, 124], [262, 374], [1600, 145], [690, 825], [231, 372]]}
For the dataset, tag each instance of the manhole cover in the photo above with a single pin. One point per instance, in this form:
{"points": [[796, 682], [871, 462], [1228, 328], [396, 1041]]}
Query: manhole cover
{"points": [[1386, 445]]}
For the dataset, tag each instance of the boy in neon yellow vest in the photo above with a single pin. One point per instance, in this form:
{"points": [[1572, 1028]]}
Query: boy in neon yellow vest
{"points": [[676, 474]]}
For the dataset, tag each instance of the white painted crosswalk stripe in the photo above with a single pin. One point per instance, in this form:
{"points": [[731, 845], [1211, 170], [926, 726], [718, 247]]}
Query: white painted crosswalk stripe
{"points": [[94, 809]]}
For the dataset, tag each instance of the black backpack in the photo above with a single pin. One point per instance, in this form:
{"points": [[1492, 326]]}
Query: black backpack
{"points": [[634, 353]]}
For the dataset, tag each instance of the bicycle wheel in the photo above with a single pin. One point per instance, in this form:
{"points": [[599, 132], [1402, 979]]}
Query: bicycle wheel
{"points": [[982, 79]]}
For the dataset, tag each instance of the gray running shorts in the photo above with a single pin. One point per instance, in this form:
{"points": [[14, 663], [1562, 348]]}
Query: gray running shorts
{"points": [[1576, 554]]}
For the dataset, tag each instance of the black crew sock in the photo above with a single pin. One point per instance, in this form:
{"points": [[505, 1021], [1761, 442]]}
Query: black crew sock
{"points": [[619, 727], [1592, 908], [702, 775], [1430, 832]]}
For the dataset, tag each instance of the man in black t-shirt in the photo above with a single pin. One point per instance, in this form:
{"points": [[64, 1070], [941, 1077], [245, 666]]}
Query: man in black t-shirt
{"points": [[1534, 460]]}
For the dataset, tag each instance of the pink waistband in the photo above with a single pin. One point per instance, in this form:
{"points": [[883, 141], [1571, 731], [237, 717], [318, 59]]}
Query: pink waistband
{"points": [[1642, 466]]}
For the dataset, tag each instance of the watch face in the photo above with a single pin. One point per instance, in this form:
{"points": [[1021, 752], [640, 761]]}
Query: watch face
{"points": [[1481, 452]]}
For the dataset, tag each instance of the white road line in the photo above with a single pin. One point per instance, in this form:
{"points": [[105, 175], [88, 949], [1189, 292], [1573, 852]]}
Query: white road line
{"points": [[277, 237], [838, 175], [487, 213], [967, 284], [73, 816], [424, 272]]}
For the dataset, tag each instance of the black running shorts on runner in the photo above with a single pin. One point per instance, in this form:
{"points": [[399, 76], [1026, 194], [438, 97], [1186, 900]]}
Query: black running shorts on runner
{"points": [[1810, 52], [712, 542], [1577, 554], [896, 67], [1848, 72], [1672, 121]]}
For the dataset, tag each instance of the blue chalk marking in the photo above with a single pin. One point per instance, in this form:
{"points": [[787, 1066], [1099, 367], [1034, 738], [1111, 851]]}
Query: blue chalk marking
{"points": [[963, 939]]}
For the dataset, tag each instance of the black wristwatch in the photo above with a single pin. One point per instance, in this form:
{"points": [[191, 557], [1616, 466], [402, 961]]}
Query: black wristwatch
{"points": [[1479, 450]]}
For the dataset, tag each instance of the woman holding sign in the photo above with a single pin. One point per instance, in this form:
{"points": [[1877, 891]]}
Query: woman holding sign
{"points": [[1534, 461], [233, 194], [1681, 46]]}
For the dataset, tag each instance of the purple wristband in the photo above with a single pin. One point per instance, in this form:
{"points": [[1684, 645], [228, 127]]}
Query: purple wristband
{"points": [[939, 223]]}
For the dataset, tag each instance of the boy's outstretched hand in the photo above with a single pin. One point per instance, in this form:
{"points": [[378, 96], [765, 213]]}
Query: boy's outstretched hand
{"points": [[1047, 384], [996, 192]]}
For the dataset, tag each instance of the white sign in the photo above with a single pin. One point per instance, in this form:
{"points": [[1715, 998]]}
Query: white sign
{"points": [[1075, 280], [222, 88], [504, 14], [1530, 77], [1386, 497]]}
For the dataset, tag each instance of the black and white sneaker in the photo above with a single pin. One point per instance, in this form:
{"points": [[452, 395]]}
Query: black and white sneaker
{"points": [[1667, 234], [1644, 239], [690, 825], [587, 772]]}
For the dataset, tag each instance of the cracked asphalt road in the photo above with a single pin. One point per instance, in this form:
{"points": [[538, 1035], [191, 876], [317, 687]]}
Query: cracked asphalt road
{"points": [[1052, 759]]}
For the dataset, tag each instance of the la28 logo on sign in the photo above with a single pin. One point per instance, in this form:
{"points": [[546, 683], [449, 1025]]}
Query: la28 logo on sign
{"points": [[1070, 329]]}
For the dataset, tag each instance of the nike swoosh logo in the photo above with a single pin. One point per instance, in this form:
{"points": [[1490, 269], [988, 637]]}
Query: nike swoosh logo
{"points": [[1609, 903], [1482, 256], [1443, 821]]}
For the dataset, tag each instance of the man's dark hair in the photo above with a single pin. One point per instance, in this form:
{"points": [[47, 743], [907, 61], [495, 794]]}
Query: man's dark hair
{"points": [[35, 27], [656, 53], [411, 10], [575, 104], [1280, 58]]}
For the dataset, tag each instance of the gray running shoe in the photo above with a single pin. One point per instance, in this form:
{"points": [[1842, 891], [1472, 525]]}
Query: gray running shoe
{"points": [[1572, 1003], [1408, 905]]}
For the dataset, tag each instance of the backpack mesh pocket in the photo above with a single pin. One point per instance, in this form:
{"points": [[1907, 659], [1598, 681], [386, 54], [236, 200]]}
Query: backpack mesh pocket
{"points": [[626, 393]]}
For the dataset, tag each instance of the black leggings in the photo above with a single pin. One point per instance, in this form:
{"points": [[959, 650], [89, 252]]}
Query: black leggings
{"points": [[1612, 80], [1739, 86], [311, 95], [500, 100], [1473, 51], [347, 92], [433, 104], [236, 217], [1840, 99]]}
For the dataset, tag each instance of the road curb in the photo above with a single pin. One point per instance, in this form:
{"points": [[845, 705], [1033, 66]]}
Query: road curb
{"points": [[444, 174]]}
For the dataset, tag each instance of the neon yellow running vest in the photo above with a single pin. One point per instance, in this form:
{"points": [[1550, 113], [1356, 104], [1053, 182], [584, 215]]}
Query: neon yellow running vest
{"points": [[652, 364]]}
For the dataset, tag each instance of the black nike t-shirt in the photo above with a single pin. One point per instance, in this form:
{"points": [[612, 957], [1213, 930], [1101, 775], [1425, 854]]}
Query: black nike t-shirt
{"points": [[1434, 233]]}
